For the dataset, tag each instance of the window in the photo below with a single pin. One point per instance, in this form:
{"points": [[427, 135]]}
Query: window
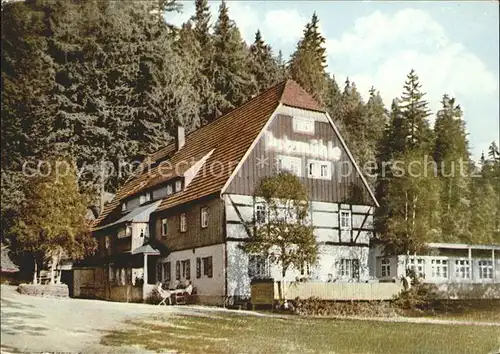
{"points": [[207, 266], [320, 169], [260, 213], [204, 217], [125, 232], [345, 220], [106, 242], [124, 206], [385, 267], [305, 269], [290, 164], [349, 268], [186, 269], [111, 274], [485, 269], [144, 198], [418, 265], [164, 227], [178, 185], [439, 268], [183, 222], [198, 268], [167, 271], [258, 266], [462, 269], [178, 270], [303, 125], [169, 189]]}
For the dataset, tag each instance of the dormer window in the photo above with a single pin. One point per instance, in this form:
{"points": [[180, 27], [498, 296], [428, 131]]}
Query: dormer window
{"points": [[169, 189], [124, 206], [178, 186], [146, 197]]}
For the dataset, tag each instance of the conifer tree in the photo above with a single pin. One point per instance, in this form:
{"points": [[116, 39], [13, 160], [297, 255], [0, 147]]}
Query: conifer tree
{"points": [[230, 76], [308, 62], [263, 66], [452, 158]]}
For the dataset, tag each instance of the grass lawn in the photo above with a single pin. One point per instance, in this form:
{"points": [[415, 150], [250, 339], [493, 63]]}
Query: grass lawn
{"points": [[469, 310], [251, 334]]}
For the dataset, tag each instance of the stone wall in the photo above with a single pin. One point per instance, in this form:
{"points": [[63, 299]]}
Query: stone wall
{"points": [[58, 290]]}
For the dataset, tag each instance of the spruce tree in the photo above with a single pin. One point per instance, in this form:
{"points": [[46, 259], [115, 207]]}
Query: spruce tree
{"points": [[452, 157], [308, 62], [230, 75], [263, 66]]}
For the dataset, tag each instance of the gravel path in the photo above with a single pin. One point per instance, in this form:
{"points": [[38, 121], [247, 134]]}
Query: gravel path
{"points": [[40, 324]]}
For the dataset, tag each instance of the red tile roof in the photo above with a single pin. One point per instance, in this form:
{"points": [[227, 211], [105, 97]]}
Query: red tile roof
{"points": [[230, 136]]}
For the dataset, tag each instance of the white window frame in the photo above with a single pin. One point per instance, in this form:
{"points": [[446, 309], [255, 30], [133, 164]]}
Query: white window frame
{"points": [[178, 186], [170, 189], [385, 267], [440, 268], [462, 269], [107, 242], [164, 227], [204, 217], [291, 164], [315, 169], [183, 222], [418, 265], [124, 206], [144, 198], [303, 125], [260, 213], [258, 266], [345, 215], [348, 269], [485, 267]]}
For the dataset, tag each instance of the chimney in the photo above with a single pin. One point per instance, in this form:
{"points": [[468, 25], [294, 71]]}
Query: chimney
{"points": [[180, 138]]}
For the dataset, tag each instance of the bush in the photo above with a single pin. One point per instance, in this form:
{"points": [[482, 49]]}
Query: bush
{"points": [[418, 297], [317, 307], [153, 298]]}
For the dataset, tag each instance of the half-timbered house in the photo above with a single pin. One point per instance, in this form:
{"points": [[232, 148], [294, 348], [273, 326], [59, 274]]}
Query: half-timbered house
{"points": [[196, 194]]}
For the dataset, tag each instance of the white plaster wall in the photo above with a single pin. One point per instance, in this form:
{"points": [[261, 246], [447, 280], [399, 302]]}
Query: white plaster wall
{"points": [[204, 285], [238, 282]]}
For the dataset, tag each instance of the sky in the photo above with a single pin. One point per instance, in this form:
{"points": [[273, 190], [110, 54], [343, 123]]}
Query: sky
{"points": [[452, 45]]}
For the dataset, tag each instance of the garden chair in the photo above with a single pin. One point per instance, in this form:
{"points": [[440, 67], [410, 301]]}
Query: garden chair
{"points": [[164, 294]]}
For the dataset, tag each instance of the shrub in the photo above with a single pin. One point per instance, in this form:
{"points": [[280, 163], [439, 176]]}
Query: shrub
{"points": [[318, 307]]}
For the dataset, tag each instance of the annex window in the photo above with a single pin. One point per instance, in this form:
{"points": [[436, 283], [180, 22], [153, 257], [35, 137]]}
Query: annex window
{"points": [[186, 269], [260, 213], [178, 185], [183, 222], [125, 232], [305, 269], [345, 219], [462, 269], [319, 169], [167, 271], [439, 268], [258, 266], [303, 125], [418, 266], [485, 269], [169, 189], [164, 227], [349, 268], [204, 217], [290, 164], [385, 267], [107, 242]]}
